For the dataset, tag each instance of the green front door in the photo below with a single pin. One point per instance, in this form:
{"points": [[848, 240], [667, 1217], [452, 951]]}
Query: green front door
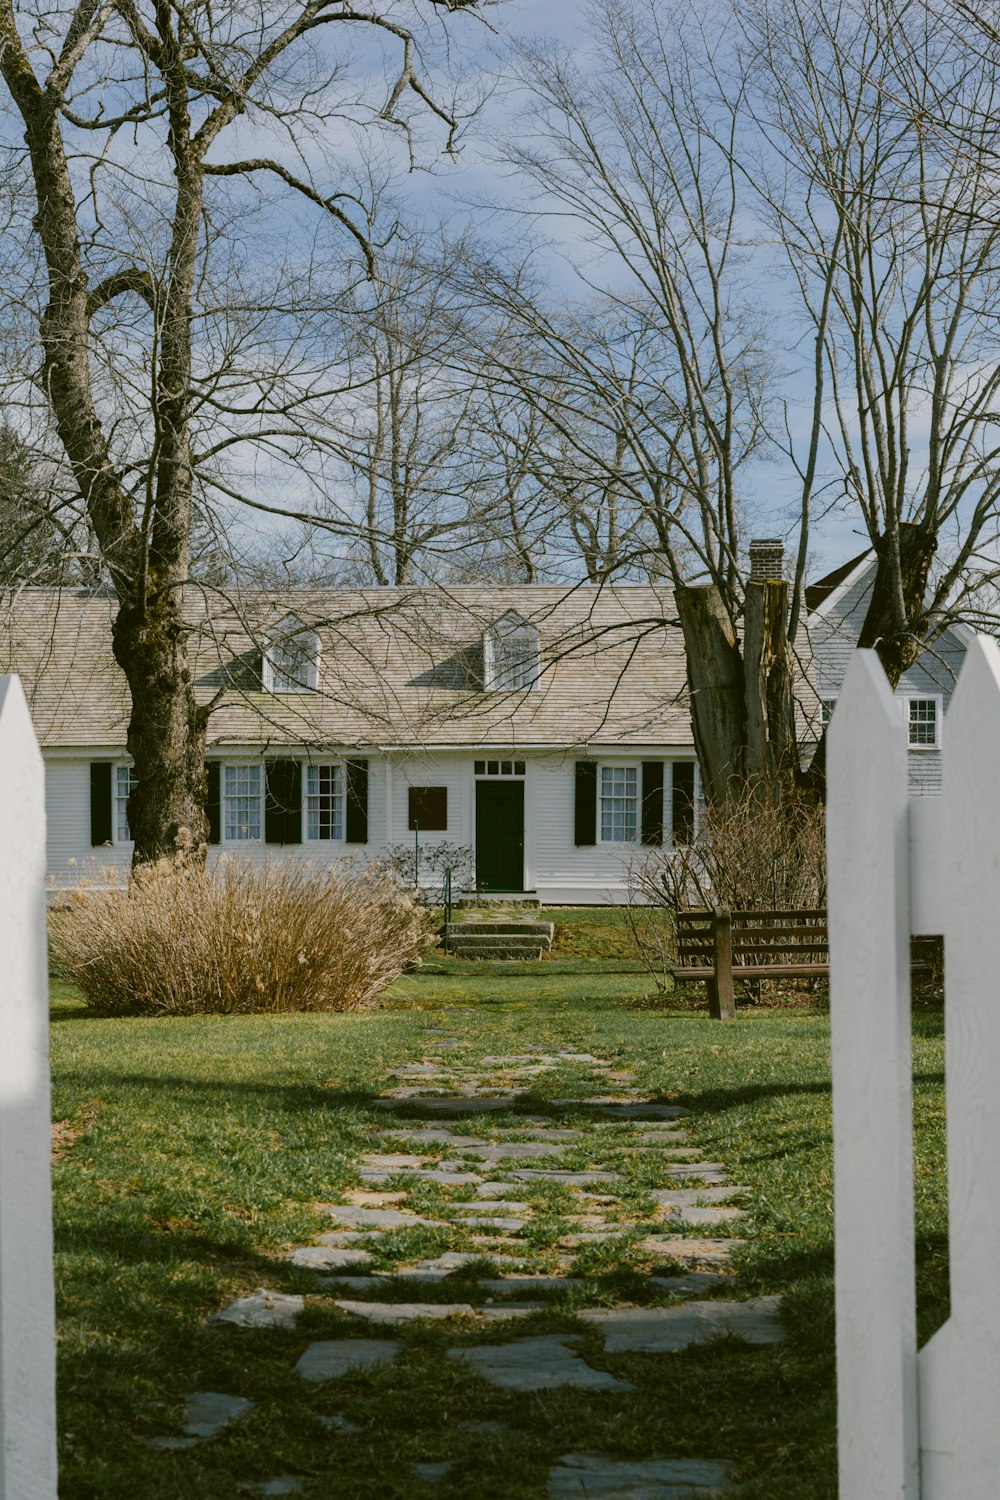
{"points": [[500, 835]]}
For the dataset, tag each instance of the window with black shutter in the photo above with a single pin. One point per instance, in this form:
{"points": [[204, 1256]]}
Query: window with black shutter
{"points": [[356, 821], [213, 801], [652, 802], [682, 800], [101, 803], [585, 806], [283, 802]]}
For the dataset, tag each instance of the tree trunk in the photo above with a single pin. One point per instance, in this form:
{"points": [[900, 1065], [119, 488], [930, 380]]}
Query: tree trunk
{"points": [[772, 750], [896, 638], [716, 688], [166, 733]]}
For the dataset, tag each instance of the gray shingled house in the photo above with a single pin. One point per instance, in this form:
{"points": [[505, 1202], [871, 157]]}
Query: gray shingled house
{"points": [[545, 728], [836, 607]]}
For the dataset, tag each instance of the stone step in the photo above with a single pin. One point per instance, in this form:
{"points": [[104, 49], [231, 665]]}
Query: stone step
{"points": [[512, 951], [464, 929]]}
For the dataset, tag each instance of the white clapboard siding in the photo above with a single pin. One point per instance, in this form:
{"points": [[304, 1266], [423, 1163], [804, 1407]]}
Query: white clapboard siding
{"points": [[948, 866], [27, 1301], [870, 1036]]}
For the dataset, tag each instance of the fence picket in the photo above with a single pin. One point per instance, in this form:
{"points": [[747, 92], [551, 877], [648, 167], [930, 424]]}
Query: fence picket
{"points": [[960, 1367], [27, 1310], [867, 840]]}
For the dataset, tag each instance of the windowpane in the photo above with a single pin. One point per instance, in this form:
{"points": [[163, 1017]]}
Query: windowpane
{"points": [[293, 664], [826, 707], [125, 780], [923, 721], [480, 768], [324, 802], [519, 768], [242, 803], [619, 800]]}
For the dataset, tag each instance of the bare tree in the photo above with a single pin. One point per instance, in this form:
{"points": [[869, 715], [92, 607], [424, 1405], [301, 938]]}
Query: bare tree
{"points": [[152, 128], [656, 377], [893, 238]]}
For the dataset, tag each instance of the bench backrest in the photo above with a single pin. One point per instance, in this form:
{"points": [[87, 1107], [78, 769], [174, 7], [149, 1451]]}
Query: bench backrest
{"points": [[757, 937]]}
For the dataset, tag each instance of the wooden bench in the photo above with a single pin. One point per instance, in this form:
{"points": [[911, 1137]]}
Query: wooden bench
{"points": [[722, 947]]}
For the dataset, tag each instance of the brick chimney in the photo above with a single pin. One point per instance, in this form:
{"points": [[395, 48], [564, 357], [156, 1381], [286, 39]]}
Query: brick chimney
{"points": [[767, 559]]}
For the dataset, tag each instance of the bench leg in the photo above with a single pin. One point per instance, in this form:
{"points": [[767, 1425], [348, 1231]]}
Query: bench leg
{"points": [[721, 996]]}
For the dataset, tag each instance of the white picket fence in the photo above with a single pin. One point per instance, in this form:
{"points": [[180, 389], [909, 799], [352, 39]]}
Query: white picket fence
{"points": [[915, 1426], [27, 1301]]}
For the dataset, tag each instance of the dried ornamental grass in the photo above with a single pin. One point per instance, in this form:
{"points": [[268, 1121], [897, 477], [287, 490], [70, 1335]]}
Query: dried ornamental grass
{"points": [[237, 940]]}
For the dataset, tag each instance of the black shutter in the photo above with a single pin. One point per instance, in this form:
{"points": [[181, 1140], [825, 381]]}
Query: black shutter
{"points": [[682, 810], [101, 826], [652, 802], [356, 822], [282, 802], [213, 801], [585, 812]]}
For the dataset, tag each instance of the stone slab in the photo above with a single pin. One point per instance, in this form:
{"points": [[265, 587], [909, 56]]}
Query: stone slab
{"points": [[502, 1150], [687, 1197], [498, 1225], [284, 1484], [621, 1109], [662, 1330], [433, 1473], [702, 1171], [694, 1281], [392, 1160], [497, 1205], [429, 1174], [262, 1309], [415, 1312], [690, 1252], [328, 1257], [439, 1135], [207, 1412], [332, 1358], [515, 1285], [594, 1476], [537, 1364], [483, 1105], [710, 1215], [572, 1179], [360, 1217]]}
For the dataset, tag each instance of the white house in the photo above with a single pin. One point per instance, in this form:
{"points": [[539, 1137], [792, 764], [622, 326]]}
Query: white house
{"points": [[545, 728], [836, 607]]}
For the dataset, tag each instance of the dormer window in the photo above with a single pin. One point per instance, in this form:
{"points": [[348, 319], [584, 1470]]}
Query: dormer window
{"points": [[510, 656], [291, 660]]}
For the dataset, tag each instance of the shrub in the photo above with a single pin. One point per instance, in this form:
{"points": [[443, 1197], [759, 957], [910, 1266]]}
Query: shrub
{"points": [[758, 854], [237, 940], [401, 862]]}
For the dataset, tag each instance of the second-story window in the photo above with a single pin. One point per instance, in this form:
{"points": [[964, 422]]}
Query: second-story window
{"points": [[922, 723], [510, 656], [291, 660]]}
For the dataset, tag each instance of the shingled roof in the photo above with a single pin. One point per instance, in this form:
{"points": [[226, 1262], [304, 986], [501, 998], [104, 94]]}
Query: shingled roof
{"points": [[398, 667]]}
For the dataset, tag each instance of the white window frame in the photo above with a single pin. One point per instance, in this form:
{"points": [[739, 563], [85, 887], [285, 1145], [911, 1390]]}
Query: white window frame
{"points": [[612, 766], [938, 700], [306, 645], [501, 676], [116, 804], [826, 708], [238, 765], [320, 765]]}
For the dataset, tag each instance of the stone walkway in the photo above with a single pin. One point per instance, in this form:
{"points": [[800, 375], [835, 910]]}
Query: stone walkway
{"points": [[475, 1208]]}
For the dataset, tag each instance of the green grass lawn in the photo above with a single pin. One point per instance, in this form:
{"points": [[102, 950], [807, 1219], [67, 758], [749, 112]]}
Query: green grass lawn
{"points": [[193, 1153]]}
